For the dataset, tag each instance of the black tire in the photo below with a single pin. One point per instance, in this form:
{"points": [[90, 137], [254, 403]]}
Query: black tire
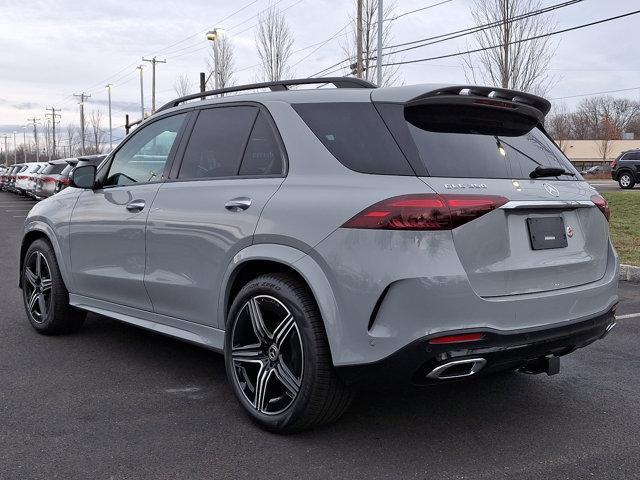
{"points": [[321, 397], [626, 180], [56, 316]]}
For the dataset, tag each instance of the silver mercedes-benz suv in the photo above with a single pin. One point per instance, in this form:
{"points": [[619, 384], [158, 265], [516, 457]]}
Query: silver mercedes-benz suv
{"points": [[326, 237]]}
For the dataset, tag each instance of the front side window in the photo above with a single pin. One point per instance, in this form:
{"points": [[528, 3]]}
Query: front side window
{"points": [[143, 157], [217, 142]]}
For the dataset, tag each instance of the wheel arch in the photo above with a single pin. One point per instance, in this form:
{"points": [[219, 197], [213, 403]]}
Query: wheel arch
{"points": [[37, 231], [268, 258]]}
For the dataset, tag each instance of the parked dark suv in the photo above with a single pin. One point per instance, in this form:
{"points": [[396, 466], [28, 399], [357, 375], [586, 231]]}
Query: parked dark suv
{"points": [[626, 169]]}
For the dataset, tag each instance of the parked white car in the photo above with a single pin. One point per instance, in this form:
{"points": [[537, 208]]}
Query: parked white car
{"points": [[25, 180]]}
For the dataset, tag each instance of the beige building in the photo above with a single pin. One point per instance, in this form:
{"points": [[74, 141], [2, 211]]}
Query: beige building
{"points": [[587, 153]]}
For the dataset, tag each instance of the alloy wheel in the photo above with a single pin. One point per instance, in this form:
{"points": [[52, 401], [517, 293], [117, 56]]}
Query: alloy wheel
{"points": [[625, 180], [267, 354], [37, 287]]}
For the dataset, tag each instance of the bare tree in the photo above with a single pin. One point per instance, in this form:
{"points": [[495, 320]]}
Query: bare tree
{"points": [[226, 63], [508, 62], [370, 43], [97, 134], [559, 125], [274, 43], [183, 85], [71, 132], [600, 117]]}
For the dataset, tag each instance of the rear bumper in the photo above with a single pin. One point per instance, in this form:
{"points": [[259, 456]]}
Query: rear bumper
{"points": [[498, 351]]}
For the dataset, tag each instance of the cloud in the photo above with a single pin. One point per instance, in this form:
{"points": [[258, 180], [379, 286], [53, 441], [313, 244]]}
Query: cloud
{"points": [[26, 106]]}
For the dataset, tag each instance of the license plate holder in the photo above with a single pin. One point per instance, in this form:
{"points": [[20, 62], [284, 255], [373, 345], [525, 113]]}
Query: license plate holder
{"points": [[547, 232]]}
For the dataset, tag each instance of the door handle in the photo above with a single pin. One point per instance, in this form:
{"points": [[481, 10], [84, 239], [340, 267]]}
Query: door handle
{"points": [[136, 205], [238, 204]]}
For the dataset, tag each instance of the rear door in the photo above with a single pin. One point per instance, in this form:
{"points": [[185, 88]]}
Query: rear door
{"points": [[546, 235], [208, 211]]}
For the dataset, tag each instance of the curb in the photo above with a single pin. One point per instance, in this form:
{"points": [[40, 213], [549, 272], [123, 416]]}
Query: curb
{"points": [[630, 273]]}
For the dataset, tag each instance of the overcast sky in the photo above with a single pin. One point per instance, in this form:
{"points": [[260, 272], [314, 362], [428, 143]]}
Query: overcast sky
{"points": [[52, 49]]}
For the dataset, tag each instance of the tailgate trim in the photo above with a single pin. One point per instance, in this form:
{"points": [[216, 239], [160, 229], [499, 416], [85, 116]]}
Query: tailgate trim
{"points": [[518, 204]]}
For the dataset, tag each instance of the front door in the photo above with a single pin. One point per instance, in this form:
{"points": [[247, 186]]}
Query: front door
{"points": [[232, 165], [107, 231]]}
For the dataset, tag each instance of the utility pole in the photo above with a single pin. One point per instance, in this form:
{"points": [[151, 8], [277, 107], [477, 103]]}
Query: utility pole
{"points": [[359, 66], [140, 67], [153, 61], [82, 97], [380, 31], [109, 85], [6, 151], [15, 148], [53, 116], [35, 121]]}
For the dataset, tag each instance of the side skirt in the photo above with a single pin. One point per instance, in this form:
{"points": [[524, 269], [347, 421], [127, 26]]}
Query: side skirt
{"points": [[202, 335]]}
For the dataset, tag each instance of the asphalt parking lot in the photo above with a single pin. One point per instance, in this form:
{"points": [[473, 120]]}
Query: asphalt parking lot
{"points": [[604, 185], [117, 402]]}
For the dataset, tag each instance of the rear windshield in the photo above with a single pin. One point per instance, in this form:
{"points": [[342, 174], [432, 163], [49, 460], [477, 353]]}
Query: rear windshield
{"points": [[490, 152], [356, 135], [65, 171], [54, 169]]}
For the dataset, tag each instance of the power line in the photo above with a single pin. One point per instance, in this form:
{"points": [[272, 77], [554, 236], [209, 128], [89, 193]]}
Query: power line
{"points": [[537, 37], [479, 28], [459, 33], [417, 10], [597, 93]]}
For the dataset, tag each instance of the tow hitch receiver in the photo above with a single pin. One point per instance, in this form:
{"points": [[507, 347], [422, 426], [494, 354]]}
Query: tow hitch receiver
{"points": [[549, 365]]}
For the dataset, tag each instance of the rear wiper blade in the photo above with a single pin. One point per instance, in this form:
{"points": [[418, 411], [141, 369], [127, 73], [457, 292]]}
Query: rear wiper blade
{"points": [[540, 172]]}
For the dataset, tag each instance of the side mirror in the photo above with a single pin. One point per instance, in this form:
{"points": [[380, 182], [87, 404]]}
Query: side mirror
{"points": [[84, 177]]}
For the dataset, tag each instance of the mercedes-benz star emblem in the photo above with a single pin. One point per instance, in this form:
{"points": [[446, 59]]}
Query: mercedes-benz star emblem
{"points": [[551, 190]]}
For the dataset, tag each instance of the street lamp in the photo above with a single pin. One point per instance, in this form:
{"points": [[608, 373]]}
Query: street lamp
{"points": [[141, 67], [108, 87], [15, 148], [24, 142], [214, 36]]}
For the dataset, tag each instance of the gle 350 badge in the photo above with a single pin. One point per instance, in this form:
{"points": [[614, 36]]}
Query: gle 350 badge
{"points": [[457, 186]]}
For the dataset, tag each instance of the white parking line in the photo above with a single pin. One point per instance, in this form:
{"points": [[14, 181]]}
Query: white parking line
{"points": [[19, 216], [628, 315], [17, 211]]}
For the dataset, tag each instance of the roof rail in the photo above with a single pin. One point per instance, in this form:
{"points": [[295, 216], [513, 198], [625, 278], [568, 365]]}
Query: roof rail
{"points": [[280, 85]]}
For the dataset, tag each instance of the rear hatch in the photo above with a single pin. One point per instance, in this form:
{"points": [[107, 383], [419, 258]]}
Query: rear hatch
{"points": [[546, 233]]}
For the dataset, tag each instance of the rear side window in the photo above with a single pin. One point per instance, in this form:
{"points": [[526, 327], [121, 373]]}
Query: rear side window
{"points": [[631, 156], [262, 155], [217, 142], [491, 150], [356, 135]]}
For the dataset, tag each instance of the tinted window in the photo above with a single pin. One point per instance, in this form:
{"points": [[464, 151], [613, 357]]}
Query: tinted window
{"points": [[467, 153], [56, 168], [217, 142], [631, 156], [262, 155], [143, 157], [65, 172], [356, 135]]}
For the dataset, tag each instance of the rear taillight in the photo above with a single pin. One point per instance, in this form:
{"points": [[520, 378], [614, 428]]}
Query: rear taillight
{"points": [[425, 212], [602, 204]]}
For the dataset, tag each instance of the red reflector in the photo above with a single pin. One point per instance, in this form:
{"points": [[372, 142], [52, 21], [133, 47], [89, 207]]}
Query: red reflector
{"points": [[463, 337], [602, 204], [425, 212]]}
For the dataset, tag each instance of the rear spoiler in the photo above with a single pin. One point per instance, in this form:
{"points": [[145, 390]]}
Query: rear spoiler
{"points": [[525, 104]]}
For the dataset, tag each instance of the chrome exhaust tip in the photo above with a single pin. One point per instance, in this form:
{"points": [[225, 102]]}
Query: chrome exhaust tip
{"points": [[457, 369]]}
